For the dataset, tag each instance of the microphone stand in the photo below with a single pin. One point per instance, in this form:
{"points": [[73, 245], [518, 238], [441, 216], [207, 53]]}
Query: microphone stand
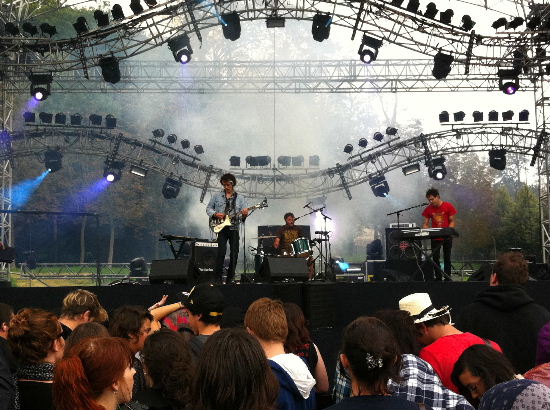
{"points": [[328, 248], [400, 211]]}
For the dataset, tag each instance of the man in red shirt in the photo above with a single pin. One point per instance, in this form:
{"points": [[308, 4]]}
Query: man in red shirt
{"points": [[442, 215]]}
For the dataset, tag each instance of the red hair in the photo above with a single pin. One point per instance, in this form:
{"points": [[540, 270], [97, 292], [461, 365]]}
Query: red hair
{"points": [[90, 367]]}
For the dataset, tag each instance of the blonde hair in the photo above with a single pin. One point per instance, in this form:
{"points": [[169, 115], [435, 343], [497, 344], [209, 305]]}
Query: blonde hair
{"points": [[79, 301]]}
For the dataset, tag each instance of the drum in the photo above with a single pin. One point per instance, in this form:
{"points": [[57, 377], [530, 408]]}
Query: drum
{"points": [[301, 247]]}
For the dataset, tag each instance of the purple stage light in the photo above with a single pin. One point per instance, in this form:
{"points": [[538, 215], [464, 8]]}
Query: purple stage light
{"points": [[510, 88], [110, 177]]}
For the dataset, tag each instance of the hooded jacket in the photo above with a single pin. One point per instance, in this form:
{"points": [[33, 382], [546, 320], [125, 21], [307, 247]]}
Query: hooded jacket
{"points": [[296, 383], [507, 315]]}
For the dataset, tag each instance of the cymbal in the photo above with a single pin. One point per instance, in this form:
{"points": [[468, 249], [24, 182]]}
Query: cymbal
{"points": [[266, 237]]}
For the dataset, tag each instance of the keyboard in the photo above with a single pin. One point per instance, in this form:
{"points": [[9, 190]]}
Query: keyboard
{"points": [[428, 233]]}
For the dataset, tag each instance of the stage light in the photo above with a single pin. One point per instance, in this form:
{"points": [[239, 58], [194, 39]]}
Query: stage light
{"points": [[320, 28], [110, 121], [396, 3], [151, 3], [198, 149], [101, 18], [378, 136], [259, 161], [185, 144], [298, 161], [523, 115], [314, 161], [110, 69], [60, 118], [497, 159], [29, 28], [81, 25], [493, 115], [53, 160], [442, 65], [533, 23], [508, 81], [444, 116], [478, 116], [410, 169], [29, 116], [113, 170], [231, 25], [467, 23], [413, 6], [275, 22], [363, 142], [136, 7], [446, 16], [158, 133], [379, 186], [95, 119], [234, 161], [348, 149], [11, 29], [437, 169], [117, 12], [76, 119], [391, 131], [501, 22], [172, 138], [368, 50], [138, 170], [515, 23], [459, 116], [45, 117], [431, 11], [171, 188], [283, 160], [48, 29], [507, 115], [40, 86], [181, 48]]}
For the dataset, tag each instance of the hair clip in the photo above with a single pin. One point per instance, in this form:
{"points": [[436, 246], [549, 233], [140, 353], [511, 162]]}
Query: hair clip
{"points": [[373, 363]]}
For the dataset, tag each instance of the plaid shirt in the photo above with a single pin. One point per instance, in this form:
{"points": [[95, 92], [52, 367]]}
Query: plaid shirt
{"points": [[420, 385]]}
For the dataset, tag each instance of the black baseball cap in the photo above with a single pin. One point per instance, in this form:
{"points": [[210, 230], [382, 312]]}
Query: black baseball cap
{"points": [[205, 299]]}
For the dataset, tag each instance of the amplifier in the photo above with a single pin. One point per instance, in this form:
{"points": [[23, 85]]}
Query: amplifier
{"points": [[204, 256], [350, 277], [403, 225]]}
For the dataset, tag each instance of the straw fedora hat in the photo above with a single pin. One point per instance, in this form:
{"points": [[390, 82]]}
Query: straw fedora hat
{"points": [[420, 306]]}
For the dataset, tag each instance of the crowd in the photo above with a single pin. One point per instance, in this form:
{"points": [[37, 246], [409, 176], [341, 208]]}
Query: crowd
{"points": [[199, 354]]}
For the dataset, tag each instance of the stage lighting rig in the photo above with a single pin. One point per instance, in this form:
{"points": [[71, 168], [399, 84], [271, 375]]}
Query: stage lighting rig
{"points": [[158, 133], [508, 81], [410, 169], [444, 116], [172, 138], [231, 25], [29, 28], [110, 121], [467, 23], [181, 48], [507, 115], [314, 161], [113, 170], [136, 7], [442, 65], [284, 160], [391, 131], [413, 6], [40, 86], [151, 3], [95, 119], [275, 22], [379, 186], [29, 116], [53, 159], [297, 161], [378, 136], [60, 118], [11, 29], [446, 16], [198, 149], [348, 149], [110, 69], [523, 115], [436, 168], [185, 144], [478, 116], [76, 119], [138, 170], [363, 142], [234, 161], [493, 115], [81, 26], [171, 188], [48, 29], [102, 18], [368, 50], [431, 11], [501, 22], [117, 12], [45, 117], [515, 23], [320, 28], [258, 161], [497, 159], [459, 116]]}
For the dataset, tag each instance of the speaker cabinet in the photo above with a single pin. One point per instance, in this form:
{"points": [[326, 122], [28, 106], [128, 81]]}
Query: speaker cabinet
{"points": [[174, 270], [276, 269], [204, 256], [397, 249]]}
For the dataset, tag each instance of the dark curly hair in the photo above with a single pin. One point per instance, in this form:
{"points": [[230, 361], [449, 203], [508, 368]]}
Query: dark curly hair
{"points": [[228, 178], [127, 320]]}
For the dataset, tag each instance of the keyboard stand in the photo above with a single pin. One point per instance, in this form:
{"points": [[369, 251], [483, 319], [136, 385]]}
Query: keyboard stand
{"points": [[428, 256]]}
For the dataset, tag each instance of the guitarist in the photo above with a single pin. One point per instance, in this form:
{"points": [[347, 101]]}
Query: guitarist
{"points": [[227, 202]]}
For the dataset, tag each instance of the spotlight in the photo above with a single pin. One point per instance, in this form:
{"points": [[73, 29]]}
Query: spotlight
{"points": [[231, 26], [185, 144], [234, 161], [523, 115], [95, 119], [29, 116], [348, 148], [81, 25], [431, 11], [53, 160], [497, 159], [411, 169], [507, 115], [110, 69], [391, 131], [437, 169], [261, 161], [378, 136], [493, 115], [379, 186], [11, 29], [275, 22], [320, 28], [444, 116], [198, 149], [29, 28], [533, 23], [172, 138], [60, 118], [110, 121], [446, 16], [136, 7], [138, 170], [171, 188], [396, 3], [181, 48], [76, 119], [515, 23], [478, 116], [298, 161], [158, 133], [314, 160], [151, 3], [48, 29], [467, 23], [113, 170], [501, 22], [101, 18], [284, 160], [45, 117], [442, 65], [413, 6], [117, 12], [40, 86], [363, 142], [459, 116], [508, 81], [368, 50]]}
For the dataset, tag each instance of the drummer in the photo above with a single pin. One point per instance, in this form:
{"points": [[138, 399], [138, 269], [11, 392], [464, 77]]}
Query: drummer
{"points": [[287, 234]]}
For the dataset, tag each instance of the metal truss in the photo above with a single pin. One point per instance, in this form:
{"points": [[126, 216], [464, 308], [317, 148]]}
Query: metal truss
{"points": [[278, 183], [154, 27], [332, 76]]}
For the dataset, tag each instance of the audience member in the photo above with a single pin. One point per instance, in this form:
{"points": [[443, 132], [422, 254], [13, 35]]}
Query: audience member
{"points": [[299, 342], [371, 358], [160, 311], [80, 306], [7, 387], [543, 345], [265, 319], [85, 331], [168, 366], [540, 373], [35, 337], [516, 395], [479, 368], [233, 374], [134, 324], [505, 313], [443, 342], [97, 374], [6, 313]]}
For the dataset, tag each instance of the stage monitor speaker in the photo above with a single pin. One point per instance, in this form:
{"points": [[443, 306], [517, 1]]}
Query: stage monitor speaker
{"points": [[204, 256], [173, 270], [397, 249], [403, 271], [276, 269]]}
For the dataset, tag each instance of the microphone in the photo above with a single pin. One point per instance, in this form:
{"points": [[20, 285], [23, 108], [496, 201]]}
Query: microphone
{"points": [[307, 205]]}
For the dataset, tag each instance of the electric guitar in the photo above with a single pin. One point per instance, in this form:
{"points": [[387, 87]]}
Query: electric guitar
{"points": [[216, 225]]}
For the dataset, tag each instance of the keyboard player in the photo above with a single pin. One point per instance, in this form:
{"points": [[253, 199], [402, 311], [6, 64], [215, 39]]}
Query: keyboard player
{"points": [[440, 214]]}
